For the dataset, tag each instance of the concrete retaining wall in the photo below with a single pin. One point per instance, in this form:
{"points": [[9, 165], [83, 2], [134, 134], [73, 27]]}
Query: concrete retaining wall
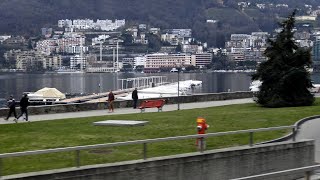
{"points": [[50, 109], [210, 165]]}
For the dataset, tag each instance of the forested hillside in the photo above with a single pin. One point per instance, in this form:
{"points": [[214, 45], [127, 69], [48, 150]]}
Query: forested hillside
{"points": [[28, 16]]}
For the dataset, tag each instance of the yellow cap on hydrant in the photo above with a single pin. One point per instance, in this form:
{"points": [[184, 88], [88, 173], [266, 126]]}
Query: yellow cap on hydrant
{"points": [[201, 120]]}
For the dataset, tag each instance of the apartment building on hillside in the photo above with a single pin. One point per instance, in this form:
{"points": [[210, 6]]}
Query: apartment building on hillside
{"points": [[78, 62], [155, 61], [26, 60], [201, 59]]}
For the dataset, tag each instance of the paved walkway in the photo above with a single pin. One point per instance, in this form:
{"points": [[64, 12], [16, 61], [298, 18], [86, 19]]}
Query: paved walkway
{"points": [[170, 107], [310, 130]]}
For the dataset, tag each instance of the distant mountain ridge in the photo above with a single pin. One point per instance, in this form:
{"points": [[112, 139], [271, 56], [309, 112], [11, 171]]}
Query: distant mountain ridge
{"points": [[28, 16], [19, 14]]}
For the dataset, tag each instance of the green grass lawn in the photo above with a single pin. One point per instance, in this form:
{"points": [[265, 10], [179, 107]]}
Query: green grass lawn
{"points": [[80, 131]]}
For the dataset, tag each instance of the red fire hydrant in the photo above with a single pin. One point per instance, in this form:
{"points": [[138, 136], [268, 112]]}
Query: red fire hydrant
{"points": [[202, 126]]}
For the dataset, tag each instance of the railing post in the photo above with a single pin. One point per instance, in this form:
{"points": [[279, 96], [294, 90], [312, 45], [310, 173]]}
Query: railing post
{"points": [[144, 151], [202, 144], [77, 158], [294, 134], [307, 175], [1, 168], [251, 139]]}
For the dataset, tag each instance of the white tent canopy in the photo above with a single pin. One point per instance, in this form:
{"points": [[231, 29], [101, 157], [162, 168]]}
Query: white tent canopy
{"points": [[50, 93]]}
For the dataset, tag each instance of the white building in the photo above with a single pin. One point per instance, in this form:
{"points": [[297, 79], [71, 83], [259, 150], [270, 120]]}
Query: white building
{"points": [[212, 21], [201, 59], [188, 48], [104, 25], [3, 38], [127, 60], [176, 36], [237, 56], [26, 59], [181, 32], [155, 61], [261, 6], [82, 24], [239, 37], [78, 60], [52, 62], [47, 46], [282, 5], [154, 30], [244, 41], [100, 39], [315, 13], [239, 50], [70, 43], [306, 18], [139, 61], [29, 59], [76, 49], [173, 39], [64, 23], [120, 22]]}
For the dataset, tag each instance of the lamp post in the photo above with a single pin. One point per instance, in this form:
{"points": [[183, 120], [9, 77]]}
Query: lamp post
{"points": [[99, 91], [178, 66], [178, 88], [100, 86]]}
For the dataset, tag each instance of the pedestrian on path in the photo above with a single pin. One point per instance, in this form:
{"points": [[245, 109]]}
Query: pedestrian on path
{"points": [[111, 100], [24, 103], [11, 103], [135, 98]]}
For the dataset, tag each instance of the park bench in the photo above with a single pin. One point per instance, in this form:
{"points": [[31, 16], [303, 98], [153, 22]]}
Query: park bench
{"points": [[158, 103]]}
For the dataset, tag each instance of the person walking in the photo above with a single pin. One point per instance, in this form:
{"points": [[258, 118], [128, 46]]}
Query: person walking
{"points": [[135, 98], [24, 103], [111, 100], [11, 103]]}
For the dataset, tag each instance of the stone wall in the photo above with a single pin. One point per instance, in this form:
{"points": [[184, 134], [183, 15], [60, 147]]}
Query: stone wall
{"points": [[51, 109], [211, 165]]}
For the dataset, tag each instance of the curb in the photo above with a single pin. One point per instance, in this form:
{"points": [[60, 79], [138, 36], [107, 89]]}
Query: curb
{"points": [[290, 135]]}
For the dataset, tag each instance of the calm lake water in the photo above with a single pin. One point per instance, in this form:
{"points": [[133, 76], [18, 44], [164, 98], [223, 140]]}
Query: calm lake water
{"points": [[87, 83]]}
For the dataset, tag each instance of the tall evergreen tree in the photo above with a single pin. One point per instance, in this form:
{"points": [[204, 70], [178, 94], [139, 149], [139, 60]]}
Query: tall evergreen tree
{"points": [[284, 76]]}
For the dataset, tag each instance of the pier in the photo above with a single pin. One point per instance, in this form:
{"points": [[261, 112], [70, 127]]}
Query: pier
{"points": [[127, 86], [145, 82]]}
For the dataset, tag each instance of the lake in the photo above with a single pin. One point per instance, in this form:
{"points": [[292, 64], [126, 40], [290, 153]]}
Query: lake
{"points": [[88, 83]]}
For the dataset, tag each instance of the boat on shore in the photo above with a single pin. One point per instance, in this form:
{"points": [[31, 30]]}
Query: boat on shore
{"points": [[45, 96]]}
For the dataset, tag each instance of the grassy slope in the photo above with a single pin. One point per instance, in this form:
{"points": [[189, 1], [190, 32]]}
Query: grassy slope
{"points": [[80, 131]]}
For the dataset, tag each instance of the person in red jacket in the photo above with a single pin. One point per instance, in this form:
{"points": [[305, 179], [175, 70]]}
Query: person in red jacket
{"points": [[202, 126]]}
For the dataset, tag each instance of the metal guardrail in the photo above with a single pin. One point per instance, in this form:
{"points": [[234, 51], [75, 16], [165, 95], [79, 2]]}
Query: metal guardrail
{"points": [[307, 170], [143, 142]]}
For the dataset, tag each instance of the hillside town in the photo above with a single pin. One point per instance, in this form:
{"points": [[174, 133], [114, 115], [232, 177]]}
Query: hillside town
{"points": [[88, 45]]}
